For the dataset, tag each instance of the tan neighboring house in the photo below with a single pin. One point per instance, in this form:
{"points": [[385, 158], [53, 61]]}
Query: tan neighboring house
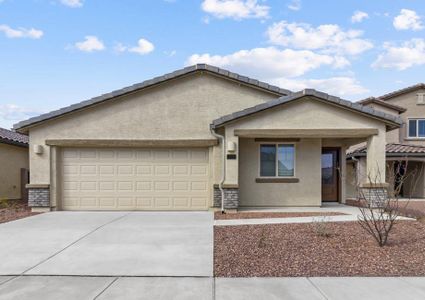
{"points": [[13, 165], [192, 138], [406, 143]]}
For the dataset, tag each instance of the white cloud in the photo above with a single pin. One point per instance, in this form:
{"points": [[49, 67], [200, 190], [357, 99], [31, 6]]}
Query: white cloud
{"points": [[90, 44], [12, 113], [408, 19], [170, 53], [408, 54], [329, 38], [235, 9], [295, 5], [269, 63], [339, 86], [21, 32], [359, 16], [72, 3], [143, 47]]}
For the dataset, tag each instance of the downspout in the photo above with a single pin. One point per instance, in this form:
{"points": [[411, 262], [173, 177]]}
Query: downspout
{"points": [[223, 167]]}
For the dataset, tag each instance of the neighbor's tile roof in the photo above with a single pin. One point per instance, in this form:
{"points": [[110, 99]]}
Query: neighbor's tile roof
{"points": [[11, 137], [381, 102], [307, 92], [148, 83], [393, 149], [403, 91]]}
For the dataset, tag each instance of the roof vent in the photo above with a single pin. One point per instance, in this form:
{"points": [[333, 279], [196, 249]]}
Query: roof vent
{"points": [[420, 99]]}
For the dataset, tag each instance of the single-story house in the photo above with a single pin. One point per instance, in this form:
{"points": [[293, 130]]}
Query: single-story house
{"points": [[192, 138], [13, 165]]}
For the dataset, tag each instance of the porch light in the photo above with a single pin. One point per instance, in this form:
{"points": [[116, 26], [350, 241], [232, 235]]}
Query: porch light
{"points": [[231, 146], [38, 149]]}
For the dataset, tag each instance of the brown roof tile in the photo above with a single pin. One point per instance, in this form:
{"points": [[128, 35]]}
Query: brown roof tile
{"points": [[12, 137], [393, 150]]}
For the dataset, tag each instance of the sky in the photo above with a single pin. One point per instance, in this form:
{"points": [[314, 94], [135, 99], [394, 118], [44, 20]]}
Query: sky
{"points": [[54, 53]]}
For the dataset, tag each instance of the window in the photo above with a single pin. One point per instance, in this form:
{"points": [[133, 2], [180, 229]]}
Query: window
{"points": [[277, 160], [416, 128]]}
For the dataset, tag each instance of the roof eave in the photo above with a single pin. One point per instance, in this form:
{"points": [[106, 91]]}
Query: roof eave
{"points": [[355, 107], [13, 143]]}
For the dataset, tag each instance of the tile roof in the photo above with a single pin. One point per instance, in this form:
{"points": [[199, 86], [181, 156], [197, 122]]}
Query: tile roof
{"points": [[381, 102], [14, 138], [403, 91], [393, 149], [394, 120], [148, 83]]}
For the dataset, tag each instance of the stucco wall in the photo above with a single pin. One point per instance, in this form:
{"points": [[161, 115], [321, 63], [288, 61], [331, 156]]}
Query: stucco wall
{"points": [[180, 109], [12, 159], [307, 192], [308, 114], [393, 136]]}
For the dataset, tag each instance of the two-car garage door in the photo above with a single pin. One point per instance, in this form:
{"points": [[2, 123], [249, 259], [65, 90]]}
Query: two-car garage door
{"points": [[134, 179]]}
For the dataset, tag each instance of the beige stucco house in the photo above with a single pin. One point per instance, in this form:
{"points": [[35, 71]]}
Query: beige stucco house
{"points": [[405, 145], [188, 139], [13, 165]]}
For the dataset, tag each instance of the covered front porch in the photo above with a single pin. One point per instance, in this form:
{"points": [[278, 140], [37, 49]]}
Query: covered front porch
{"points": [[292, 151]]}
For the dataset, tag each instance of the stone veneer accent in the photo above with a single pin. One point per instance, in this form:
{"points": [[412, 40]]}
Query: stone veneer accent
{"points": [[38, 196], [231, 197], [375, 196]]}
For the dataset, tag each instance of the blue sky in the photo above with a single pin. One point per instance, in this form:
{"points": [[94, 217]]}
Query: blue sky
{"points": [[57, 52]]}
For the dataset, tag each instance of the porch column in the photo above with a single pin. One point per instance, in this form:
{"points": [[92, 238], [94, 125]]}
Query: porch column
{"points": [[375, 159], [374, 187], [231, 183]]}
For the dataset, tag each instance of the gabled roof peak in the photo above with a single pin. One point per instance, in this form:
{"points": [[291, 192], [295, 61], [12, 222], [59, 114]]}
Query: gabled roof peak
{"points": [[308, 92], [151, 82]]}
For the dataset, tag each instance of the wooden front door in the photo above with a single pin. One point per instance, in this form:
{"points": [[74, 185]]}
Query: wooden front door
{"points": [[330, 174]]}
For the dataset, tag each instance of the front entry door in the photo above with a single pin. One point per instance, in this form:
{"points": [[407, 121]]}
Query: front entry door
{"points": [[330, 174]]}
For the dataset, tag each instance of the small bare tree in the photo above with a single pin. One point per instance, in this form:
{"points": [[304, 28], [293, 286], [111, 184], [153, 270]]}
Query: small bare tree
{"points": [[380, 205]]}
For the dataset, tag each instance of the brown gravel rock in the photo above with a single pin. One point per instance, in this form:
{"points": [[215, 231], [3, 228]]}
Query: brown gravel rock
{"points": [[297, 250], [13, 210], [259, 215]]}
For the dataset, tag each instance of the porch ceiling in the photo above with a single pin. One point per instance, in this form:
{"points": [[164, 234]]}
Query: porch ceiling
{"points": [[306, 133]]}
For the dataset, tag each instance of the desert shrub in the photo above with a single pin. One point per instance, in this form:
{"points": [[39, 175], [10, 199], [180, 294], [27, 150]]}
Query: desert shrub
{"points": [[321, 226]]}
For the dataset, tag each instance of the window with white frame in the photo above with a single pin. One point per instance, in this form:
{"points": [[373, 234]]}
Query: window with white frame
{"points": [[277, 160], [416, 128]]}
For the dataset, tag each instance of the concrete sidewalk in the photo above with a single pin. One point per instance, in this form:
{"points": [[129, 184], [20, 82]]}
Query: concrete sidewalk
{"points": [[187, 288], [351, 214]]}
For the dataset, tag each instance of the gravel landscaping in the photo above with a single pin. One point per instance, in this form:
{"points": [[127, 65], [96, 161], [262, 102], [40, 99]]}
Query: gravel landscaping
{"points": [[411, 209], [13, 210], [259, 215], [299, 250]]}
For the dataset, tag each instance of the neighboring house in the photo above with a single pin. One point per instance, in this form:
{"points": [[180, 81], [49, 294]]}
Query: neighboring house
{"points": [[184, 140], [404, 143], [13, 164]]}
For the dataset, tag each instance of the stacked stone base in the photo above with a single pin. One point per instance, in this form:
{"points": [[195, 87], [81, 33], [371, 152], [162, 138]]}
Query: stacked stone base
{"points": [[231, 197], [38, 196]]}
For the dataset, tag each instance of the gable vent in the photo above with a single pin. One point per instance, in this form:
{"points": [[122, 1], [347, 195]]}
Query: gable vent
{"points": [[421, 99]]}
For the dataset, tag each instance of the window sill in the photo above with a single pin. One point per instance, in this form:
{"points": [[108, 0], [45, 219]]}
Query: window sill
{"points": [[415, 139], [277, 180]]}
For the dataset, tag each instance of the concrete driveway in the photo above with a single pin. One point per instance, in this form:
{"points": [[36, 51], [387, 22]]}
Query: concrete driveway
{"points": [[109, 244]]}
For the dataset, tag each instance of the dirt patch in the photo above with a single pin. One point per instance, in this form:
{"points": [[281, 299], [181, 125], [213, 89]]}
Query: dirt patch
{"points": [[13, 210], [259, 215], [298, 250]]}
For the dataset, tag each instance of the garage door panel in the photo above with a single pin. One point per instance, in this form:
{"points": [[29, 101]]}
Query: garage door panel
{"points": [[135, 179]]}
